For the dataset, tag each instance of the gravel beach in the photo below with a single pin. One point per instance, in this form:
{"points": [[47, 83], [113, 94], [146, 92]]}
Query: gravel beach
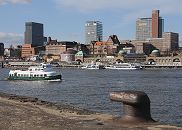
{"points": [[28, 113]]}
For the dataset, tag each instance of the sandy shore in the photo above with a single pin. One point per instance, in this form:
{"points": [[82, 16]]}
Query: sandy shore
{"points": [[27, 113]]}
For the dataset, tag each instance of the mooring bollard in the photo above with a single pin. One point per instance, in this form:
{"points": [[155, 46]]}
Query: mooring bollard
{"points": [[136, 106]]}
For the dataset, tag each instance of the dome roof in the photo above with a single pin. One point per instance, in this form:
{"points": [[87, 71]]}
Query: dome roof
{"points": [[80, 53], [121, 52], [155, 51]]}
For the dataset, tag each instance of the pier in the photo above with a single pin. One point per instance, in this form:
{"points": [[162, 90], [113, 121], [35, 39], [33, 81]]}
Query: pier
{"points": [[20, 112], [161, 66]]}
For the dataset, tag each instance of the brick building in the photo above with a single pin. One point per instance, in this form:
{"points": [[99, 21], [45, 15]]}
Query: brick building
{"points": [[54, 47], [27, 51], [167, 44], [103, 49]]}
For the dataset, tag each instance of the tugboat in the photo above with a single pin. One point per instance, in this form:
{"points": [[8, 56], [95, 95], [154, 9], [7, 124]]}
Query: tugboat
{"points": [[35, 73]]}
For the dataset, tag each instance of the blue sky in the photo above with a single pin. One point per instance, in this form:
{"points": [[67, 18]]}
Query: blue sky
{"points": [[65, 19]]}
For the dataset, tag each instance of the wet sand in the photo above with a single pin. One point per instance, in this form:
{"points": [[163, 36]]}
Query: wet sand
{"points": [[28, 113]]}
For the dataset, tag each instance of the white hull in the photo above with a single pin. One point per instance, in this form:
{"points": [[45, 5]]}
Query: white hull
{"points": [[113, 68], [124, 66], [93, 67]]}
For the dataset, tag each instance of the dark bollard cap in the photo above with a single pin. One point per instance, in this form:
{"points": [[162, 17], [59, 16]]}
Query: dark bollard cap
{"points": [[136, 106], [130, 97]]}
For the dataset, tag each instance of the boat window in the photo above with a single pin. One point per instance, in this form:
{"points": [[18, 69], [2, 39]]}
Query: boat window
{"points": [[30, 69], [41, 75], [37, 75], [18, 75], [45, 75], [34, 75], [31, 75], [21, 75]]}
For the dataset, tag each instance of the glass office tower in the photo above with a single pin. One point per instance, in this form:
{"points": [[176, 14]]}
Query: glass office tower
{"points": [[93, 31], [34, 34]]}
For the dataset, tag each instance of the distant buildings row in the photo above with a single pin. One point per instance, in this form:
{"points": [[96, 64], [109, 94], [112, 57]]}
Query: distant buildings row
{"points": [[150, 36]]}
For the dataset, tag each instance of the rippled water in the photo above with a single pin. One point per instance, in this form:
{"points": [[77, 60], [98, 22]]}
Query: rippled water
{"points": [[90, 89]]}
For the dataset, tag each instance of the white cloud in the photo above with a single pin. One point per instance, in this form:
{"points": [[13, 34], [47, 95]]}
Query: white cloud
{"points": [[131, 5], [11, 38], [127, 10], [20, 1], [3, 2]]}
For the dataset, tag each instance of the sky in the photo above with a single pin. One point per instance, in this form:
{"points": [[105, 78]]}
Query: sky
{"points": [[64, 20]]}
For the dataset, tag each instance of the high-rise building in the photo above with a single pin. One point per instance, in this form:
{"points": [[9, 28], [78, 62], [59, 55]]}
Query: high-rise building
{"points": [[1, 49], [150, 27], [93, 31], [155, 23], [143, 28], [34, 34]]}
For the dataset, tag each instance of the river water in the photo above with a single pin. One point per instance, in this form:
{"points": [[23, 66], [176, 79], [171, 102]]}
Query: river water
{"points": [[90, 89]]}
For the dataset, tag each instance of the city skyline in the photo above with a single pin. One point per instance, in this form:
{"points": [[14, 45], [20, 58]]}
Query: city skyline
{"points": [[150, 27], [65, 20]]}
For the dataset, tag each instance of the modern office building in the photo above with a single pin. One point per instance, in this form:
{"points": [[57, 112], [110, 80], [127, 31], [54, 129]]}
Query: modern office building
{"points": [[93, 31], [34, 34], [152, 27], [168, 44], [143, 28], [1, 49]]}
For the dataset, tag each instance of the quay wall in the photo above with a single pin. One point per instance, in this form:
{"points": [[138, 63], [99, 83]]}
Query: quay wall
{"points": [[161, 66]]}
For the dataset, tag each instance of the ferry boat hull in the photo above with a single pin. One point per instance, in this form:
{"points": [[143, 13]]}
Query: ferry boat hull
{"points": [[49, 78]]}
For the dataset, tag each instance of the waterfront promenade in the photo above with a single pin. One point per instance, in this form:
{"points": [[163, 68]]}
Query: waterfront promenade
{"points": [[20, 113]]}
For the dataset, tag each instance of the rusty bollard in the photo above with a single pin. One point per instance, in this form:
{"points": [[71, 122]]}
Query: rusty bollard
{"points": [[136, 106]]}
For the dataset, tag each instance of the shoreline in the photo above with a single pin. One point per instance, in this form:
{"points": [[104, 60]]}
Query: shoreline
{"points": [[79, 67], [24, 112]]}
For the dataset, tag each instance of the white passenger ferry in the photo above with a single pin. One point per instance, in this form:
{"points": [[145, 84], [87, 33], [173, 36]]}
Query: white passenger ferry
{"points": [[93, 67], [34, 73], [124, 66]]}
